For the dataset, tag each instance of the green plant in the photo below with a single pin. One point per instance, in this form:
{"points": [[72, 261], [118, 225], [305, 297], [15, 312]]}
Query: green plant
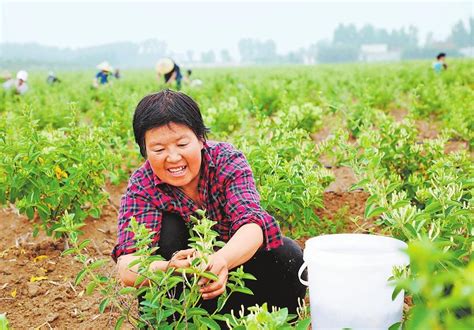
{"points": [[50, 172], [287, 173], [3, 322], [172, 297], [260, 318], [442, 299]]}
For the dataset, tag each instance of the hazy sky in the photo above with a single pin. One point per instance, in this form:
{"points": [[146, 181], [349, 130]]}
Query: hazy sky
{"points": [[201, 26]]}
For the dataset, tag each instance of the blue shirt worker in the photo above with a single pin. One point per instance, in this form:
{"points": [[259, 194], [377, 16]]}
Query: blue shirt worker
{"points": [[102, 77], [440, 63]]}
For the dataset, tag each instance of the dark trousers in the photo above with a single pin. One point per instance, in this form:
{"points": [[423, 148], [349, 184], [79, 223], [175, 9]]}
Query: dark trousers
{"points": [[276, 270]]}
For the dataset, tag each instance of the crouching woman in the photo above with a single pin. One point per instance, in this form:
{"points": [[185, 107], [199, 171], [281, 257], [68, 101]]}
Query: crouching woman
{"points": [[184, 172]]}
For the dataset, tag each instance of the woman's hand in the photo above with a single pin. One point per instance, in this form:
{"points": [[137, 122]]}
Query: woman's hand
{"points": [[211, 289], [182, 258]]}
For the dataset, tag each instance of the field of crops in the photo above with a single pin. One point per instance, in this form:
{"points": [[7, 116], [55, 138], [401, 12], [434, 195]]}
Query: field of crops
{"points": [[383, 149]]}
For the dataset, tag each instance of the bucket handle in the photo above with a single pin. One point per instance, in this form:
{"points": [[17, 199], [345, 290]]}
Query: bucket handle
{"points": [[300, 272]]}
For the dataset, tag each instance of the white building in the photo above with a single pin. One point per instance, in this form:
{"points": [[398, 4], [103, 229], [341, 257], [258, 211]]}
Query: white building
{"points": [[467, 52], [378, 53]]}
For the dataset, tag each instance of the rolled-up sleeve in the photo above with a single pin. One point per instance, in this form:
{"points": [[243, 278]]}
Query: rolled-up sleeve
{"points": [[243, 201], [135, 203]]}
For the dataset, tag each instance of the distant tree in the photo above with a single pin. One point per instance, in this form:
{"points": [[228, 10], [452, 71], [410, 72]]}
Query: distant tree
{"points": [[225, 56], [266, 51], [208, 57], [347, 35], [461, 36], [246, 49], [256, 51]]}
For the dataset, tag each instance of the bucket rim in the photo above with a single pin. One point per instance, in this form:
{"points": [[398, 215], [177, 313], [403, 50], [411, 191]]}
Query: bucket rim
{"points": [[325, 237], [323, 250]]}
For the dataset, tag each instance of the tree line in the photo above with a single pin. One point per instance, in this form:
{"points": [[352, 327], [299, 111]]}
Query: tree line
{"points": [[344, 46]]}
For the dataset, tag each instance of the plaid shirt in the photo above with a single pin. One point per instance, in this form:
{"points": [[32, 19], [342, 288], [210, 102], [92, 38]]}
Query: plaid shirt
{"points": [[226, 187]]}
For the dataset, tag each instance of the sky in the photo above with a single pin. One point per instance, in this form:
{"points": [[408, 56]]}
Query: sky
{"points": [[202, 26]]}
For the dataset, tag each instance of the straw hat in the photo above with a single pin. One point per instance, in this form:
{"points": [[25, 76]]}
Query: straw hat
{"points": [[164, 66], [22, 74], [104, 66]]}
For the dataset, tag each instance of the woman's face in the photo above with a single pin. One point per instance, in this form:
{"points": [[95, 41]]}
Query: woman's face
{"points": [[174, 153]]}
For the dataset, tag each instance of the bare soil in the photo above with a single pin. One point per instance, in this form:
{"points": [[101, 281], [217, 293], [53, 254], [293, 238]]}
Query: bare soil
{"points": [[36, 282]]}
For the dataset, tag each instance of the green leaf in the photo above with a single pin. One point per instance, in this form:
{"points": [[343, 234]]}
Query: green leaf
{"points": [[84, 244], [103, 305], [119, 323], [94, 212], [91, 287], [30, 212], [210, 276], [196, 311], [80, 276], [97, 264], [373, 212], [359, 184], [395, 292], [243, 290], [303, 324], [396, 326], [210, 323], [68, 251], [433, 207], [248, 276], [127, 290], [140, 279]]}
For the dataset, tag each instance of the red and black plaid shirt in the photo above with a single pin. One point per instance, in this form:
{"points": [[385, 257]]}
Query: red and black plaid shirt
{"points": [[226, 187]]}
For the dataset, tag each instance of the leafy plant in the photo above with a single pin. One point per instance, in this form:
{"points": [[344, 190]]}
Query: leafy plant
{"points": [[442, 299], [50, 172]]}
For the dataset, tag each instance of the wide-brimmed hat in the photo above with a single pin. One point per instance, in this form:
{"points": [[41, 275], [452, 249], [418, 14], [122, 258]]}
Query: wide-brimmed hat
{"points": [[104, 66], [22, 74], [164, 66]]}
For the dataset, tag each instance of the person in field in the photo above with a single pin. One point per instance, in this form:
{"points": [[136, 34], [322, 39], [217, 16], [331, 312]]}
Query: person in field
{"points": [[170, 71], [184, 172], [117, 74], [18, 85], [440, 63], [102, 77], [52, 79], [191, 82]]}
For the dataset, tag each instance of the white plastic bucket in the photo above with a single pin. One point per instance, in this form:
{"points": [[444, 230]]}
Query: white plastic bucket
{"points": [[348, 280]]}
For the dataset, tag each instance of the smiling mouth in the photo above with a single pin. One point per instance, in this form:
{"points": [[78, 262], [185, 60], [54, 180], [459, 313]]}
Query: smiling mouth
{"points": [[177, 171]]}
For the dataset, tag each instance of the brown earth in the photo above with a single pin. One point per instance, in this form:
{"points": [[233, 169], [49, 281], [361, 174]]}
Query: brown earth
{"points": [[36, 283]]}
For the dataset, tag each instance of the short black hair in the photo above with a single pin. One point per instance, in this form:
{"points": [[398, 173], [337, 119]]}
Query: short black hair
{"points": [[164, 108], [440, 55], [189, 71]]}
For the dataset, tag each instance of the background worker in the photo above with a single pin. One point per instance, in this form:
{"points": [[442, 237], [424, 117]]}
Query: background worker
{"points": [[19, 84], [102, 77], [170, 71]]}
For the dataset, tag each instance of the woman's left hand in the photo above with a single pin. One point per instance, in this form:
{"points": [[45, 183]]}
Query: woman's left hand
{"points": [[211, 289]]}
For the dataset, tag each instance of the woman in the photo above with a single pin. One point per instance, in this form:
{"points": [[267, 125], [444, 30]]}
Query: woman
{"points": [[170, 71], [184, 172]]}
